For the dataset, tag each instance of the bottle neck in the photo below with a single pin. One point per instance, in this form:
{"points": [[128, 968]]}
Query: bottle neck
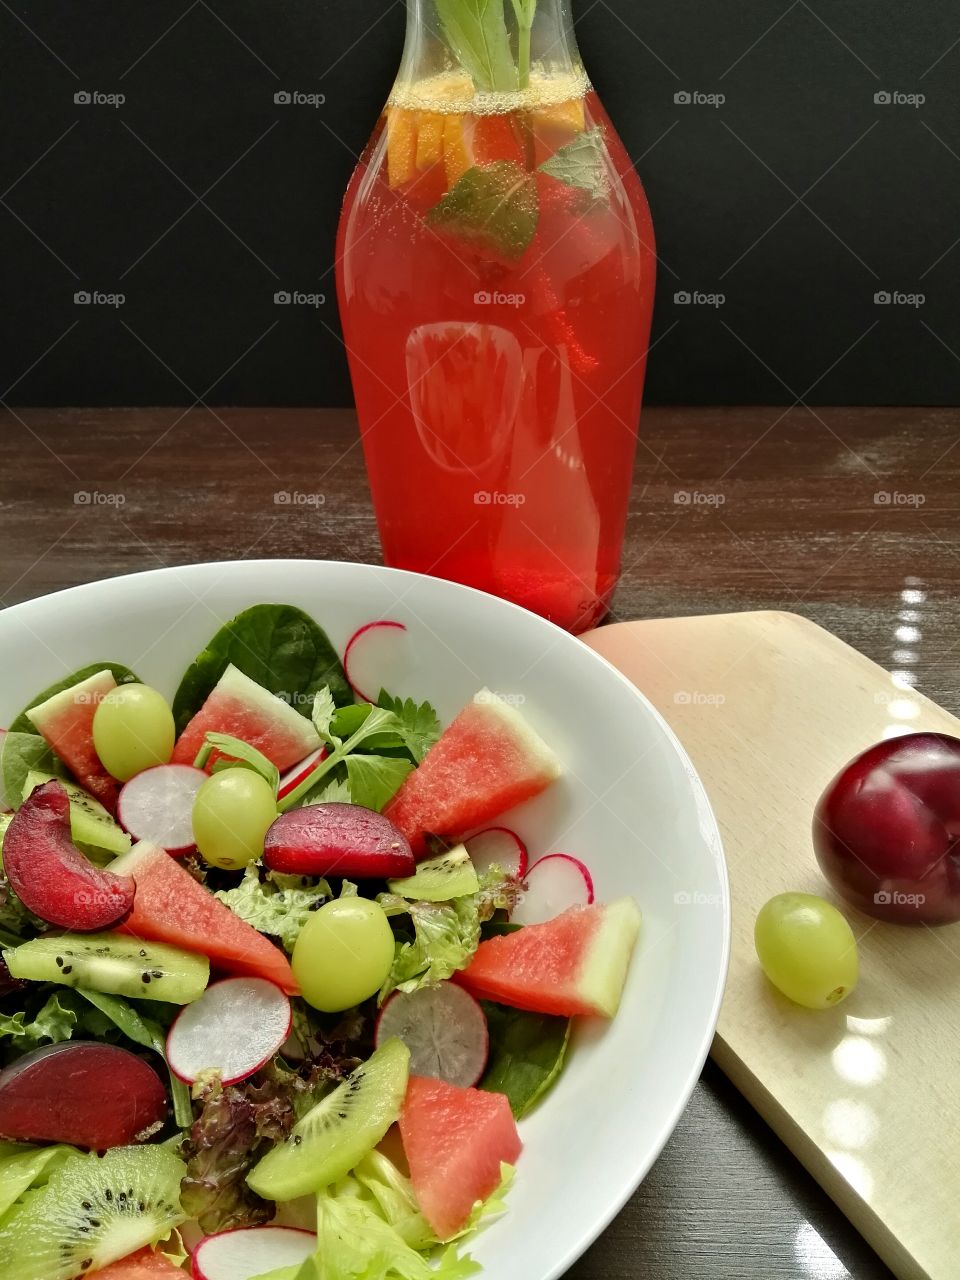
{"points": [[494, 51]]}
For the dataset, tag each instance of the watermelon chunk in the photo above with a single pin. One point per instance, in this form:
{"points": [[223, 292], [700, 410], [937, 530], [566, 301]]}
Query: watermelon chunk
{"points": [[575, 964], [239, 706], [145, 1264], [170, 906], [66, 722], [455, 1141], [486, 761]]}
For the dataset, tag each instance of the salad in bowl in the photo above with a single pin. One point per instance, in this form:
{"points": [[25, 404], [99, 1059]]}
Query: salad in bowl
{"points": [[279, 975]]}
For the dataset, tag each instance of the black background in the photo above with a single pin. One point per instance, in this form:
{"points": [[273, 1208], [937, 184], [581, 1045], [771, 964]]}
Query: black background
{"points": [[798, 199]]}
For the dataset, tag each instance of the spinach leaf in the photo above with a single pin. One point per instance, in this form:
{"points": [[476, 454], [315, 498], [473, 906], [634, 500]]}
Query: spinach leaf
{"points": [[280, 647], [122, 675], [20, 753], [527, 1051], [148, 1034]]}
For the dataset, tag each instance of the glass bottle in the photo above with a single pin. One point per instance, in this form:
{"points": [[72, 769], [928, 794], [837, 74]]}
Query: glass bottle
{"points": [[495, 274]]}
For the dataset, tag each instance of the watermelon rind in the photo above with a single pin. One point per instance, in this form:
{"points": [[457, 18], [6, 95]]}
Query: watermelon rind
{"points": [[283, 735], [533, 745], [66, 722], [607, 960]]}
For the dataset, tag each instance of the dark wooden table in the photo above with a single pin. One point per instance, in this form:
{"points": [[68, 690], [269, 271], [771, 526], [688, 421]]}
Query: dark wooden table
{"points": [[830, 513]]}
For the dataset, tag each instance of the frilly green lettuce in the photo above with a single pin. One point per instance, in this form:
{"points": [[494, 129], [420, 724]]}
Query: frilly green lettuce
{"points": [[370, 1228]]}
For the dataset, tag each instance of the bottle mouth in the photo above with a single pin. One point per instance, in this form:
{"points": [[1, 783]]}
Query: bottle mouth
{"points": [[454, 92]]}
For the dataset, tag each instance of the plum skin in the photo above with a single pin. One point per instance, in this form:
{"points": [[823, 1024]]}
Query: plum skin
{"points": [[49, 874], [81, 1092], [885, 830]]}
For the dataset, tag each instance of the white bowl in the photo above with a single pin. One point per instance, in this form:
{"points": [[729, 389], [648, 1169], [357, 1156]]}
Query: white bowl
{"points": [[631, 806]]}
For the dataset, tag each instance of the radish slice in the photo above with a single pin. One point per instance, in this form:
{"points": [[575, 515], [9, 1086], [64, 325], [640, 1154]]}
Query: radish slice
{"points": [[443, 1027], [370, 655], [498, 847], [157, 805], [235, 1027], [245, 1252], [554, 884], [293, 777]]}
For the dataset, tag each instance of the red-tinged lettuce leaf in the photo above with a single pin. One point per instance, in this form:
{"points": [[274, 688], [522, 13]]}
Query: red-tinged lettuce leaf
{"points": [[237, 1125], [493, 207]]}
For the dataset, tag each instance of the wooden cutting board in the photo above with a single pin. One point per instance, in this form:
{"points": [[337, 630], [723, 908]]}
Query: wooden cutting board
{"points": [[769, 706]]}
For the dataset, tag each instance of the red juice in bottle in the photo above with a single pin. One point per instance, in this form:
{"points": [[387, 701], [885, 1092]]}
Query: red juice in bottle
{"points": [[496, 272]]}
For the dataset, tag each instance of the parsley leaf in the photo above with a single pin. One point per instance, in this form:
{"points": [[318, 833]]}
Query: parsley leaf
{"points": [[239, 754], [417, 726], [336, 791], [374, 780], [377, 720]]}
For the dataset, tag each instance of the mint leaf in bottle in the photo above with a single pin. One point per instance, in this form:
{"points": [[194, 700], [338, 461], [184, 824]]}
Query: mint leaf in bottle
{"points": [[493, 207]]}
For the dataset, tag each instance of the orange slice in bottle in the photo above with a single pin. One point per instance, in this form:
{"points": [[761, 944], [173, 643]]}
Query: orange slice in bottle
{"points": [[429, 139], [456, 156], [555, 126], [401, 145]]}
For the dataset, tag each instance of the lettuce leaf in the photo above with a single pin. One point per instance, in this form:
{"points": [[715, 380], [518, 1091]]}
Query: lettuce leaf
{"points": [[446, 934], [53, 1024], [279, 905], [27, 1167], [370, 1228]]}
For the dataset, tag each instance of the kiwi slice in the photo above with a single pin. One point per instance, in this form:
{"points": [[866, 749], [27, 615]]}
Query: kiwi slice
{"points": [[113, 963], [451, 875], [91, 827], [94, 1210], [339, 1131]]}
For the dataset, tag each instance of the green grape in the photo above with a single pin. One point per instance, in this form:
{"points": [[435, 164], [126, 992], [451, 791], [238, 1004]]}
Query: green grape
{"points": [[807, 949], [343, 954], [133, 730], [231, 814]]}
